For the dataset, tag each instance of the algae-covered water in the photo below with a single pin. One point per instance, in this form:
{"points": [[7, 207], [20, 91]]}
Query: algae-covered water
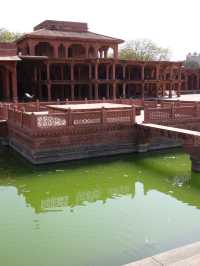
{"points": [[103, 212]]}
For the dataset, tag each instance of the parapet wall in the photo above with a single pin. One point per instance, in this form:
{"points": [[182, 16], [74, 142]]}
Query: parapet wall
{"points": [[8, 49], [44, 138]]}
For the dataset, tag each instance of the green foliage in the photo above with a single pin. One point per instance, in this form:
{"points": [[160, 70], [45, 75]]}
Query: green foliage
{"points": [[145, 50], [191, 64], [8, 36]]}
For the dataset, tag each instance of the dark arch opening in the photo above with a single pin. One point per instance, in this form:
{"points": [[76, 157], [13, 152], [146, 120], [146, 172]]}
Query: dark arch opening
{"points": [[44, 49]]}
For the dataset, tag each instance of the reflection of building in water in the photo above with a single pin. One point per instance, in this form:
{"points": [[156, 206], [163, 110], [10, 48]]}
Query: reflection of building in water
{"points": [[45, 192], [52, 203], [181, 180], [66, 192]]}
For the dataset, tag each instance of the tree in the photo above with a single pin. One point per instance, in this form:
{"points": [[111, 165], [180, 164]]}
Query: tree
{"points": [[8, 36], [145, 50]]}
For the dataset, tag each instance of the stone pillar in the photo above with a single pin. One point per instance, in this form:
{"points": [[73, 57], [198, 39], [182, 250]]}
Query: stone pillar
{"points": [[96, 71], [124, 72], [49, 91], [90, 71], [72, 92], [171, 82], [48, 72], [163, 89], [72, 71], [157, 72], [124, 90], [114, 91], [113, 71], [179, 89], [7, 84], [116, 51], [66, 51], [14, 84], [96, 92], [179, 83], [48, 82], [186, 81], [142, 72], [55, 47], [170, 89]]}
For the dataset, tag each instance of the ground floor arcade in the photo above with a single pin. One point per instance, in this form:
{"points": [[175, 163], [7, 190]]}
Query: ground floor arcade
{"points": [[8, 80], [48, 80]]}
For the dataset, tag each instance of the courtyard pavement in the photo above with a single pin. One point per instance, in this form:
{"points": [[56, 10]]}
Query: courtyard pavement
{"points": [[184, 256], [184, 97]]}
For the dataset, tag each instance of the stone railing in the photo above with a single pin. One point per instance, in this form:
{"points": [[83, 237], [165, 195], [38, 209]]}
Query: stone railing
{"points": [[171, 113], [39, 106], [34, 123]]}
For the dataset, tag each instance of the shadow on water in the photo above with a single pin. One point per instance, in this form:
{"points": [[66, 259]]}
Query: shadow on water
{"points": [[50, 187]]}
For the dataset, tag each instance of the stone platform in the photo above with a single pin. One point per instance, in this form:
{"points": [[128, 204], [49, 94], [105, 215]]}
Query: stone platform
{"points": [[184, 256], [183, 98]]}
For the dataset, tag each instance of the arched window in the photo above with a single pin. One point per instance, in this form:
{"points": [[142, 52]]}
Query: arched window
{"points": [[91, 52], [44, 49], [77, 50], [105, 52], [61, 51]]}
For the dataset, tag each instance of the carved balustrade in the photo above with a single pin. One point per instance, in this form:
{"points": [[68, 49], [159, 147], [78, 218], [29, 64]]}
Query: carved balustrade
{"points": [[171, 113], [37, 123]]}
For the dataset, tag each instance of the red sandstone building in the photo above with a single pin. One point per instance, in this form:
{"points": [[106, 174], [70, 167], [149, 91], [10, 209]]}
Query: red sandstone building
{"points": [[65, 60]]}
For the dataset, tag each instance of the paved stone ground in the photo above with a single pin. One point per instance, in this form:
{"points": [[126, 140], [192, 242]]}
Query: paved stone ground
{"points": [[185, 97], [184, 256], [89, 106]]}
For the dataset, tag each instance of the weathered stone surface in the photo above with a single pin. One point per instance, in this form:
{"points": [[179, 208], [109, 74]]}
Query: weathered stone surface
{"points": [[184, 256], [146, 262], [192, 261], [176, 255]]}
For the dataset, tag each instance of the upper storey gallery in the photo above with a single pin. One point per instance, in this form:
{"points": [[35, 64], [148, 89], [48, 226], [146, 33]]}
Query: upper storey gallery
{"points": [[61, 39]]}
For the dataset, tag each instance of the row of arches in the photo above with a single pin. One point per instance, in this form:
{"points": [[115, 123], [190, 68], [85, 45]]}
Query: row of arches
{"points": [[82, 91], [8, 83], [72, 51], [85, 72], [105, 90]]}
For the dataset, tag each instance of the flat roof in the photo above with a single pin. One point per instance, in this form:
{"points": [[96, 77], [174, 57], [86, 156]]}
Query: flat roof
{"points": [[89, 106], [10, 58]]}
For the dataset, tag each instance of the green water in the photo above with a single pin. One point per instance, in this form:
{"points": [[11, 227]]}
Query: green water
{"points": [[104, 212]]}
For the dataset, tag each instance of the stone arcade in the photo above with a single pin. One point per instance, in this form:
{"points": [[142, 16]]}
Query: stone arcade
{"points": [[65, 60]]}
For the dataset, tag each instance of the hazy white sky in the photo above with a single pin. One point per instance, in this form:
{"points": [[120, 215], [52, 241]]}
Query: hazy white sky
{"points": [[170, 23]]}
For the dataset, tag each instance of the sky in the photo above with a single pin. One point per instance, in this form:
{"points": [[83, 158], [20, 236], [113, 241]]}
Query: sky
{"points": [[173, 24]]}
